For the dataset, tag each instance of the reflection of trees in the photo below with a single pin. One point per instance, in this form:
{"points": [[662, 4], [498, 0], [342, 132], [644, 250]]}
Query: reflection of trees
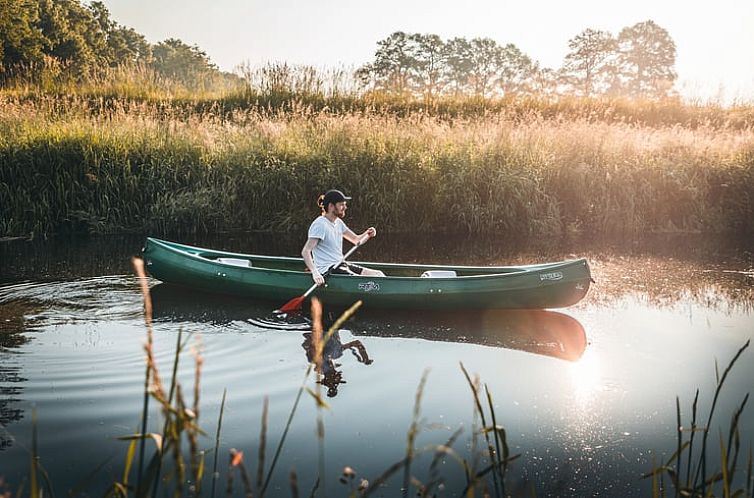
{"points": [[13, 324], [10, 390]]}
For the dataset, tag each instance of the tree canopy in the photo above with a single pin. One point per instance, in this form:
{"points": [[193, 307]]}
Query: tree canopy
{"points": [[639, 62], [83, 39]]}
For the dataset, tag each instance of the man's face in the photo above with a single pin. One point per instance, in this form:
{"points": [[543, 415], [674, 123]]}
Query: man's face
{"points": [[339, 209]]}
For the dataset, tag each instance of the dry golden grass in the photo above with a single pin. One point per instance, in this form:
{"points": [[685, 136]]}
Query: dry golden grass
{"points": [[114, 164]]}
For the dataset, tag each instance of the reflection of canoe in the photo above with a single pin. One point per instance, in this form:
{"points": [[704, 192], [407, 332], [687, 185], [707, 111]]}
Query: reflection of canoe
{"points": [[549, 285], [536, 331]]}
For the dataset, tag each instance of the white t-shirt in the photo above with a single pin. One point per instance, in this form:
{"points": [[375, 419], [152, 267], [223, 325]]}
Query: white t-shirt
{"points": [[329, 250]]}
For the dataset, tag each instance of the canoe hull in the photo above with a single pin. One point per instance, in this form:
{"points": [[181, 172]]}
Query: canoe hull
{"points": [[553, 285]]}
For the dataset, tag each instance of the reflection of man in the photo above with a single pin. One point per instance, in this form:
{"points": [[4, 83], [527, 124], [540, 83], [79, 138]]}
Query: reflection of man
{"points": [[333, 349]]}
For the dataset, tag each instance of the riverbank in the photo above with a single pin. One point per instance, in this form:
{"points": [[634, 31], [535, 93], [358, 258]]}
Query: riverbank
{"points": [[84, 163]]}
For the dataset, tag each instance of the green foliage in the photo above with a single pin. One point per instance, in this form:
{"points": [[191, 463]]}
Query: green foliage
{"points": [[50, 40], [181, 62], [20, 41]]}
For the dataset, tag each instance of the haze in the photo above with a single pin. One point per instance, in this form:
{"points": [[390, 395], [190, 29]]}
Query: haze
{"points": [[715, 40]]}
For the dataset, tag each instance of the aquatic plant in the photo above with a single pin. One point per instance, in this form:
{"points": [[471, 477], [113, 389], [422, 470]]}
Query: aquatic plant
{"points": [[689, 468]]}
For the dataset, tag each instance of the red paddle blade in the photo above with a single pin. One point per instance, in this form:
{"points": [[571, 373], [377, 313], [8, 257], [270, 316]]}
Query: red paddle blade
{"points": [[292, 305]]}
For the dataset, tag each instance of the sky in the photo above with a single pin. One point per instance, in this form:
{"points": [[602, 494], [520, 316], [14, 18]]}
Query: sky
{"points": [[714, 38]]}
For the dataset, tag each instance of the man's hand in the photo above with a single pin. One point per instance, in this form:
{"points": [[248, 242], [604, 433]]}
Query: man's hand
{"points": [[318, 278], [371, 232]]}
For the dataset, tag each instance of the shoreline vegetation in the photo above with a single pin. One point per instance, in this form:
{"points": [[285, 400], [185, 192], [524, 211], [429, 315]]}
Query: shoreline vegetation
{"points": [[102, 131], [118, 155]]}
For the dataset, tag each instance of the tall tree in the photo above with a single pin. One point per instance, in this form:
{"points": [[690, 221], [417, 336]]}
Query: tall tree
{"points": [[128, 46], [485, 62], [73, 35], [427, 64], [588, 64], [119, 44], [516, 70], [646, 58], [21, 42], [392, 64], [458, 64], [185, 63], [545, 80]]}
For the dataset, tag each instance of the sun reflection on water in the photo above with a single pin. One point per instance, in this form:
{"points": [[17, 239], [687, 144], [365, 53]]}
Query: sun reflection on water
{"points": [[586, 377]]}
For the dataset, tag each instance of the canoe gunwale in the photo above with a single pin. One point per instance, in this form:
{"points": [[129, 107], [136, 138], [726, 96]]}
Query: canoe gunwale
{"points": [[508, 272]]}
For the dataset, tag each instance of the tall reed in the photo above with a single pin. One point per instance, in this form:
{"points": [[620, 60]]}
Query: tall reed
{"points": [[695, 479], [73, 164]]}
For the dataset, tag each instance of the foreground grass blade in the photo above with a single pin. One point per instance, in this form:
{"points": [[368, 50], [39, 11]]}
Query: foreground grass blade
{"points": [[217, 442]]}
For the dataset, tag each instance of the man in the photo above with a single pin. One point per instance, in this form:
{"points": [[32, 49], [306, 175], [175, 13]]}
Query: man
{"points": [[323, 250]]}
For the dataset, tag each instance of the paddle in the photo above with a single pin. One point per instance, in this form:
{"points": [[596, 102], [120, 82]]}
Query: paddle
{"points": [[295, 303]]}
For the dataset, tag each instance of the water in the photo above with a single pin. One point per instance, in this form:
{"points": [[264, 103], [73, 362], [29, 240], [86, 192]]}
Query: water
{"points": [[587, 394]]}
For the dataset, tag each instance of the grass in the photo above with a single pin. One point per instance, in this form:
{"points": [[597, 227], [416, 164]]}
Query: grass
{"points": [[104, 159], [689, 469]]}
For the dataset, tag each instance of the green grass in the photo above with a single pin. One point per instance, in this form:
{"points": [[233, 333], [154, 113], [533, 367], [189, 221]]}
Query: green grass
{"points": [[106, 158]]}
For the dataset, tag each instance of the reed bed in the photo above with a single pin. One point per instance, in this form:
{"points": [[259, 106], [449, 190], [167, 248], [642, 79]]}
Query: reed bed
{"points": [[112, 165]]}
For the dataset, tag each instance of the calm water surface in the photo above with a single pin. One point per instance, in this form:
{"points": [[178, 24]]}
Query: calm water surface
{"points": [[586, 394]]}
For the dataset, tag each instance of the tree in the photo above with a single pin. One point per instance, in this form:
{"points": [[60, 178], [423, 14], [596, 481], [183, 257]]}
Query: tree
{"points": [[121, 45], [185, 63], [646, 60], [516, 70], [458, 63], [128, 46], [73, 35], [544, 81], [485, 62], [392, 64], [587, 66], [427, 63], [21, 42]]}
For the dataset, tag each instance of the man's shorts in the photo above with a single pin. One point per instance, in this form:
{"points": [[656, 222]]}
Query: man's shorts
{"points": [[346, 268]]}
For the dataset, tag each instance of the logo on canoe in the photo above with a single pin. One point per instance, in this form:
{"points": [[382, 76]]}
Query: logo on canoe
{"points": [[369, 286], [554, 275]]}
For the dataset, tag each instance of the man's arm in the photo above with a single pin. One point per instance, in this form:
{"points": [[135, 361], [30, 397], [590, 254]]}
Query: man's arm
{"points": [[306, 253], [362, 237]]}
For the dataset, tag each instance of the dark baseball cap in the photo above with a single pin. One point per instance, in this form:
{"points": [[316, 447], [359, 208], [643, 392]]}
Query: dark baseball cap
{"points": [[334, 197]]}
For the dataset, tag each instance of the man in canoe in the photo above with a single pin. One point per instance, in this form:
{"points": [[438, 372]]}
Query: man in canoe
{"points": [[323, 250]]}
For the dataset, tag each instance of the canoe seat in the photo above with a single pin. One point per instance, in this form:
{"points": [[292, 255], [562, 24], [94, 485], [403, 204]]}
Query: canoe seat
{"points": [[235, 262], [439, 274]]}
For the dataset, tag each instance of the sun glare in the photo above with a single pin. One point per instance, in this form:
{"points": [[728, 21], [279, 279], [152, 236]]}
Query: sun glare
{"points": [[586, 377]]}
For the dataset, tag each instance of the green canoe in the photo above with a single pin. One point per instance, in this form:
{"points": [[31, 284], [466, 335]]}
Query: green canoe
{"points": [[549, 285]]}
